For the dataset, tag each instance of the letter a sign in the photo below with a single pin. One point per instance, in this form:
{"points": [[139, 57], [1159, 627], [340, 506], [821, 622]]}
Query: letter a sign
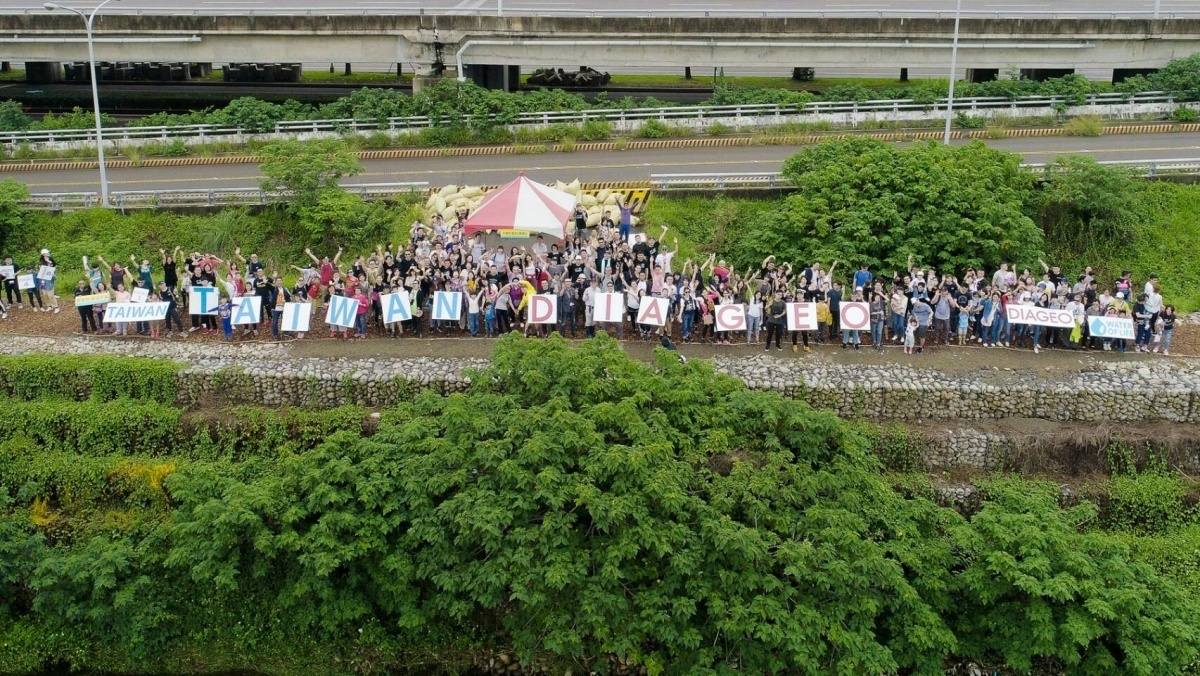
{"points": [[653, 312]]}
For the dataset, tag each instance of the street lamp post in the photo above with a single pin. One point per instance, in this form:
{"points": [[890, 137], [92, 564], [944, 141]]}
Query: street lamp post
{"points": [[953, 68], [87, 20]]}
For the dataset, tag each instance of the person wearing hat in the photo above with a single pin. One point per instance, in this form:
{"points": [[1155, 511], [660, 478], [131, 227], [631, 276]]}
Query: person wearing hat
{"points": [[167, 295]]}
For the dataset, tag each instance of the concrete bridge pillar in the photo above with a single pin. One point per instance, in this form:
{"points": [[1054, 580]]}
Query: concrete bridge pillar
{"points": [[977, 75], [43, 72], [490, 76], [1043, 74], [1122, 74]]}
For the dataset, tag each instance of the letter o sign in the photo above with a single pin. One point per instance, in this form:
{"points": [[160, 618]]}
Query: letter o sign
{"points": [[855, 316]]}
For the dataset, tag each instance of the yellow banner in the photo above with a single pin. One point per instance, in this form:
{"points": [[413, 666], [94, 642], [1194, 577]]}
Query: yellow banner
{"points": [[92, 299], [515, 233]]}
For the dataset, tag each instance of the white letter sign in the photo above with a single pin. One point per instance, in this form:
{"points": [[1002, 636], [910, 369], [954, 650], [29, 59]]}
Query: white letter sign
{"points": [[396, 307], [802, 316], [1111, 328], [202, 300], [297, 316], [653, 312], [609, 307], [731, 317], [135, 312], [447, 306], [246, 310], [1031, 314], [543, 309], [855, 316], [341, 312]]}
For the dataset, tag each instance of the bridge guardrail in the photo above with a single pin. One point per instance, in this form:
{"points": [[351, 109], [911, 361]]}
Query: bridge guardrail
{"points": [[199, 132], [494, 9], [215, 197], [153, 199]]}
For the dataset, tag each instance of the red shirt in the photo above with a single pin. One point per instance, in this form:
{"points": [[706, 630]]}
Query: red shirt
{"points": [[326, 273], [363, 304]]}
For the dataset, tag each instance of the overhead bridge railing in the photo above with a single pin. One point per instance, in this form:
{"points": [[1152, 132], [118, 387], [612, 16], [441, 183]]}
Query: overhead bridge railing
{"points": [[216, 197], [198, 133]]}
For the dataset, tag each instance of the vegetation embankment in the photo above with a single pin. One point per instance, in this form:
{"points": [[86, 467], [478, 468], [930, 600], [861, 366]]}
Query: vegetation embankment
{"points": [[573, 508], [449, 103], [858, 201]]}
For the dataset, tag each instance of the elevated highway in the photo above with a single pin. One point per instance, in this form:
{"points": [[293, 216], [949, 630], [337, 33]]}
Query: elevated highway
{"points": [[432, 42]]}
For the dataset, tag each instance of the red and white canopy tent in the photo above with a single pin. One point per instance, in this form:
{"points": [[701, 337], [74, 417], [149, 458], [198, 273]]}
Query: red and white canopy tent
{"points": [[523, 205]]}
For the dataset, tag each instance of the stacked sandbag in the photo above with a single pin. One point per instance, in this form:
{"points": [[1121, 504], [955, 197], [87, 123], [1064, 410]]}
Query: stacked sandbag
{"points": [[449, 199]]}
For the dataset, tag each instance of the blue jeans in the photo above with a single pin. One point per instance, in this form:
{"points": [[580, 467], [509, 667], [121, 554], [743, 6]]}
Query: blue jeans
{"points": [[688, 318], [473, 323], [489, 325], [360, 323], [1166, 340], [276, 318], [849, 337], [991, 334], [877, 333], [752, 328], [897, 324], [1143, 334], [1037, 334]]}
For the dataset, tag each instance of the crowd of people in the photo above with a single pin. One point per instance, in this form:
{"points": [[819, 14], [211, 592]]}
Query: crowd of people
{"points": [[914, 308]]}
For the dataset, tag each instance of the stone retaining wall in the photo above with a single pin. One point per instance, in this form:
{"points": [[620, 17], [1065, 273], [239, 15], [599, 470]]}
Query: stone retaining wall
{"points": [[1109, 390]]}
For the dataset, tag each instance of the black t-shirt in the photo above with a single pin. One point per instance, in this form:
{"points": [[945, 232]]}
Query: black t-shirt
{"points": [[169, 274], [263, 288], [776, 308], [835, 300], [166, 296]]}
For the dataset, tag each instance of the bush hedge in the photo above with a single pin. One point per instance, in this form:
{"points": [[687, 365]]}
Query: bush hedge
{"points": [[101, 378], [574, 508]]}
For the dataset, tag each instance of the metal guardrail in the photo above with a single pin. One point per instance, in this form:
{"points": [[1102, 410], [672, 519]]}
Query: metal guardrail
{"points": [[216, 197], [154, 199], [722, 181], [199, 132]]}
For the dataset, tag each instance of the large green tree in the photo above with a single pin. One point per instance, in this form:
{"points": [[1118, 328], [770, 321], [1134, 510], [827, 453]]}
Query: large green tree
{"points": [[307, 169], [861, 200]]}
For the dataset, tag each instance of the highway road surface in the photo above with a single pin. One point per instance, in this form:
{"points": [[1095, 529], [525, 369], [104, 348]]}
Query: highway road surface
{"points": [[587, 166], [1001, 8]]}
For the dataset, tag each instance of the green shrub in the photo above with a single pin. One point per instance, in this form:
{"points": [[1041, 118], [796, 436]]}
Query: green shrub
{"points": [[653, 129], [1185, 114], [76, 377], [13, 117], [596, 130], [1084, 125], [718, 129], [175, 148], [1146, 504], [964, 121]]}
